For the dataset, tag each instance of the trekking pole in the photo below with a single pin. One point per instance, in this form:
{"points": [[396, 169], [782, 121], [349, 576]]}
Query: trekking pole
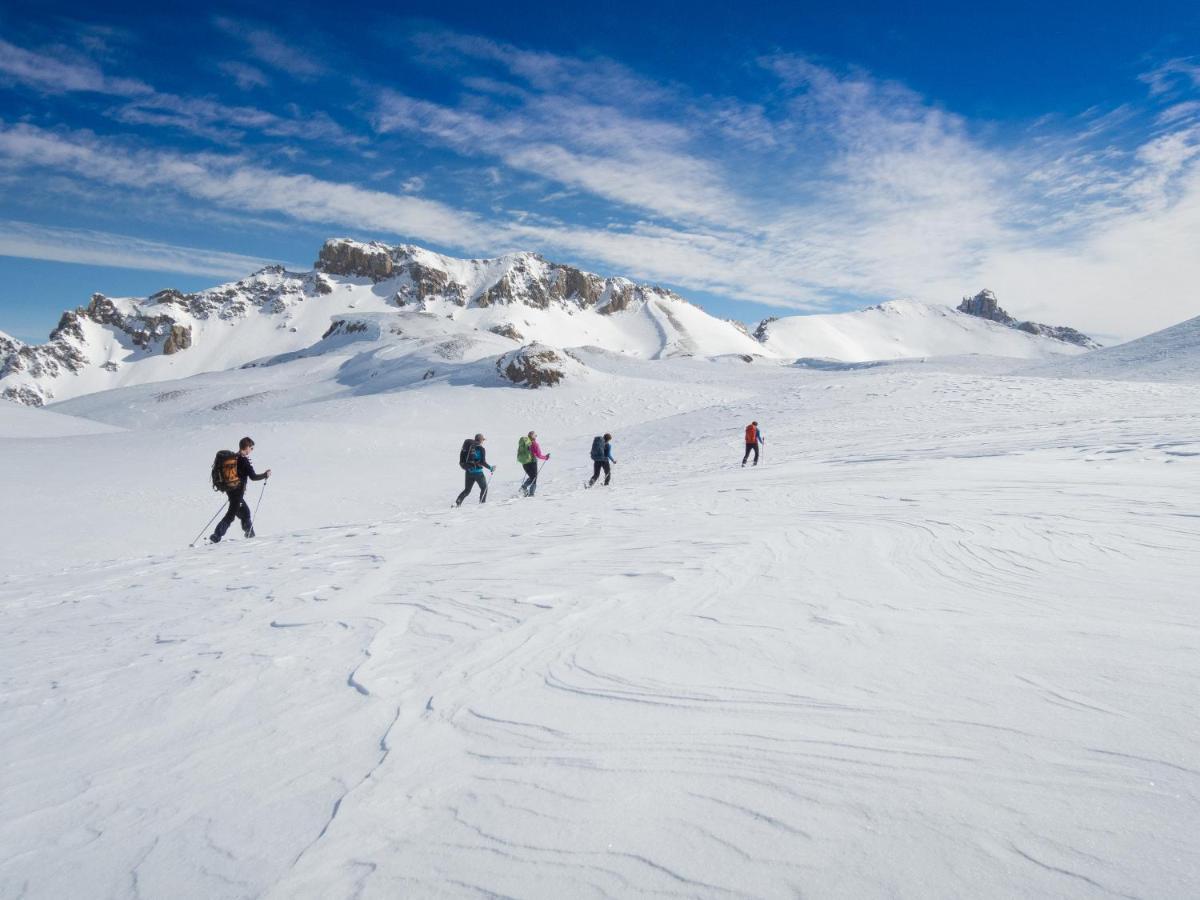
{"points": [[260, 496], [205, 528]]}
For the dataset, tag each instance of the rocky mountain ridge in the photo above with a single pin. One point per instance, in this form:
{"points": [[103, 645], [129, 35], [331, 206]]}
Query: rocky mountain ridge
{"points": [[520, 301], [985, 306]]}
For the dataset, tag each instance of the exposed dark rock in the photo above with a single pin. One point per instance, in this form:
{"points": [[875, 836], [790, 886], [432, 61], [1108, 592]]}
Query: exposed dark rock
{"points": [[508, 331], [621, 295], [350, 258], [569, 283], [343, 326], [180, 338], [764, 329], [23, 395], [985, 306], [533, 366]]}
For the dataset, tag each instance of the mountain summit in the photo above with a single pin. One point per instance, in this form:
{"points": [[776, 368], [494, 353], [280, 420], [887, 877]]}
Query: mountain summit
{"points": [[497, 317]]}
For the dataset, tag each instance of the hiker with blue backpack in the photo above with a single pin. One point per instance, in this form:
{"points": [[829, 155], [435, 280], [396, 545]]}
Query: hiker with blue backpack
{"points": [[602, 458], [528, 454], [472, 459]]}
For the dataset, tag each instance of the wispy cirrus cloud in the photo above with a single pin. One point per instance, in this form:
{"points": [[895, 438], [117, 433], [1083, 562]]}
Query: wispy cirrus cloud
{"points": [[244, 75], [225, 123], [271, 49], [100, 248], [60, 73], [234, 182], [143, 105], [824, 186]]}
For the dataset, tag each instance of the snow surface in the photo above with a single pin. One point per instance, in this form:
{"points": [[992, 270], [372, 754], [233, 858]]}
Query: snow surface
{"points": [[26, 422], [941, 643], [904, 328], [1172, 354]]}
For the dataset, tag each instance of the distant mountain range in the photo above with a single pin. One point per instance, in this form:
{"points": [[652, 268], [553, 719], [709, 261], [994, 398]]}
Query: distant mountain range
{"points": [[519, 314]]}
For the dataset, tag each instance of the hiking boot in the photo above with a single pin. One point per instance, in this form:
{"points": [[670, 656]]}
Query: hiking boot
{"points": [[248, 532], [215, 538]]}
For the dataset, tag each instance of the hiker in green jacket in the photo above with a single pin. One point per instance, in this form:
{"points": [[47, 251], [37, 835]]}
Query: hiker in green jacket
{"points": [[528, 454]]}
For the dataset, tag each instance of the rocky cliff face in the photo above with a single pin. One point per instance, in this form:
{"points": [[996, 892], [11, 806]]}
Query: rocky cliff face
{"points": [[422, 278], [985, 306]]}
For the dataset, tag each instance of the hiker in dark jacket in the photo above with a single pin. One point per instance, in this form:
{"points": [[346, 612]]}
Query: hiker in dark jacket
{"points": [[602, 461], [476, 463], [237, 494]]}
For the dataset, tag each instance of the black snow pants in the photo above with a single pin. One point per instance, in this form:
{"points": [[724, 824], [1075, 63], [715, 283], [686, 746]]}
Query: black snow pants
{"points": [[529, 485], [598, 466], [746, 455], [472, 479], [237, 510]]}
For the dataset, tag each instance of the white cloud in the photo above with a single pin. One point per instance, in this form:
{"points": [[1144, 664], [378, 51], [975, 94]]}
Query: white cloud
{"points": [[244, 75], [1171, 76], [268, 47], [234, 183], [52, 74], [224, 123], [98, 248], [829, 184]]}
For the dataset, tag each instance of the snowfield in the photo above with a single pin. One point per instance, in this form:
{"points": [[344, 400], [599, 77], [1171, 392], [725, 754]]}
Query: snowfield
{"points": [[941, 643]]}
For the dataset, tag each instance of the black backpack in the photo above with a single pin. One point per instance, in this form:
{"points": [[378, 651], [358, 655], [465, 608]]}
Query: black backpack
{"points": [[464, 455], [598, 448], [224, 471]]}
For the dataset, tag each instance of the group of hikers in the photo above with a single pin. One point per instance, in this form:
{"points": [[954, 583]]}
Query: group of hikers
{"points": [[232, 472], [472, 459]]}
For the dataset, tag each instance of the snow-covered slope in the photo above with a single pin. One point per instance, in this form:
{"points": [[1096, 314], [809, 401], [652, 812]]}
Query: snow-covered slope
{"points": [[1172, 354], [941, 643], [899, 329], [18, 421]]}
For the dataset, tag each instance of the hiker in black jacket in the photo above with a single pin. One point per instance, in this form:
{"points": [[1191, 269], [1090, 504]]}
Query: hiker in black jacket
{"points": [[237, 494]]}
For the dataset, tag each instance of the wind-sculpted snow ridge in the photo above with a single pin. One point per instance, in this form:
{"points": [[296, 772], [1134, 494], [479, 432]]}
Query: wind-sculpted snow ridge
{"points": [[940, 642], [1172, 354], [120, 342]]}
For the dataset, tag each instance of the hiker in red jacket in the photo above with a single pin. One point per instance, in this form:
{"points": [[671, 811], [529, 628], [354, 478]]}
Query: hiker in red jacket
{"points": [[754, 437]]}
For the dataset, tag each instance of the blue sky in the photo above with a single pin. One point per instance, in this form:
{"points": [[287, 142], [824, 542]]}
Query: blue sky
{"points": [[759, 158]]}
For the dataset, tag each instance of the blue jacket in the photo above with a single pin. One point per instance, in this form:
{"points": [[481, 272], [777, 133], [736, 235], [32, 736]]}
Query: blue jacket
{"points": [[479, 456], [608, 451]]}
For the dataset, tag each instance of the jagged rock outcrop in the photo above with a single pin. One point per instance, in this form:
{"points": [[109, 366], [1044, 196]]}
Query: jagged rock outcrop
{"points": [[423, 278], [764, 329], [507, 330], [355, 259], [180, 338], [533, 366], [984, 305]]}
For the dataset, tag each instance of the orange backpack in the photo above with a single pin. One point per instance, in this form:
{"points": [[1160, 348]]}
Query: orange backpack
{"points": [[225, 473], [751, 434]]}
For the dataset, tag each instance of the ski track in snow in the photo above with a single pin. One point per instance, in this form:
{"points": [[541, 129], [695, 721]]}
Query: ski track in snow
{"points": [[941, 642]]}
